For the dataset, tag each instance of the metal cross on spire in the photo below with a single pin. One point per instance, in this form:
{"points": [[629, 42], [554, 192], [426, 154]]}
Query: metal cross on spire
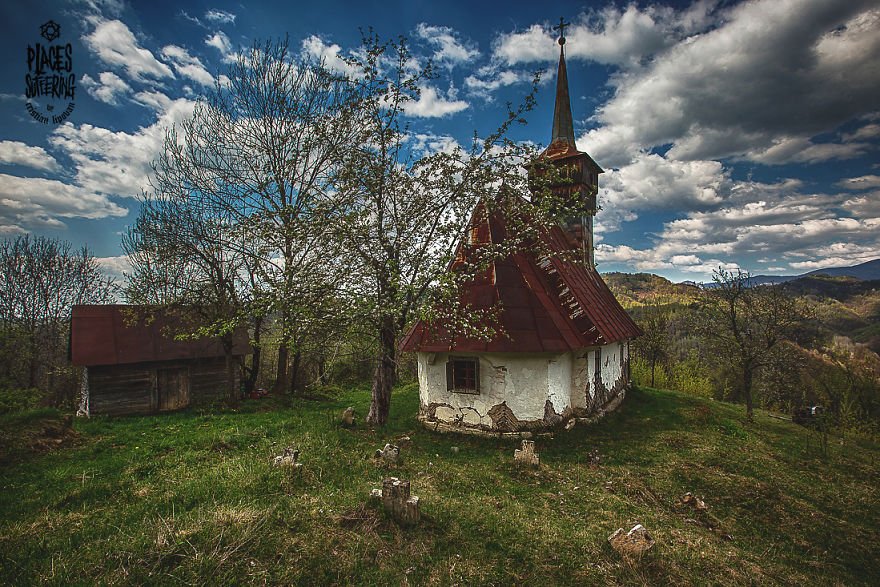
{"points": [[561, 28]]}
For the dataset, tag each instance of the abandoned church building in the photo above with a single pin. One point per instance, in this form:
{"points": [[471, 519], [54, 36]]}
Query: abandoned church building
{"points": [[133, 365], [562, 351]]}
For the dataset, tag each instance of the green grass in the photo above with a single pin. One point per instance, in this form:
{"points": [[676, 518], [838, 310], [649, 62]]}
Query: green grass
{"points": [[192, 498]]}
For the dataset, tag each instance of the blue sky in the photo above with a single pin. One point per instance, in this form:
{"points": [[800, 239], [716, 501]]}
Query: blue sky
{"points": [[736, 134]]}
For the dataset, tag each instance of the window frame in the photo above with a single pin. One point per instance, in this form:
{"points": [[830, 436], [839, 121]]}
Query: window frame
{"points": [[452, 379]]}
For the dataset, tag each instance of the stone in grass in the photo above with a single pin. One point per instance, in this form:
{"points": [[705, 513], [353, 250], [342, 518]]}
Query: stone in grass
{"points": [[348, 420], [689, 499], [397, 501], [390, 455], [526, 456], [633, 543], [287, 459]]}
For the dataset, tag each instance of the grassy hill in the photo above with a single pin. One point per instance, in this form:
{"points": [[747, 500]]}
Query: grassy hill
{"points": [[192, 498]]}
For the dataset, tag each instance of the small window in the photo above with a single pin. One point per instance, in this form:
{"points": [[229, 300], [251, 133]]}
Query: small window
{"points": [[463, 375], [598, 363]]}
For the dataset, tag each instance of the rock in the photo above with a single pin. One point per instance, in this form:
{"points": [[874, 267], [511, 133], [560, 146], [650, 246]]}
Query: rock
{"points": [[633, 543], [455, 449], [689, 499], [527, 455], [390, 454], [375, 494], [348, 420], [287, 459], [570, 424]]}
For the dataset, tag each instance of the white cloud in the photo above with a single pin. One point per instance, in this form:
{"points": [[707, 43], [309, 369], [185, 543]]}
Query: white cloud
{"points": [[772, 75], [427, 143], [186, 65], [432, 105], [222, 43], [220, 16], [118, 163], [108, 88], [31, 202], [450, 50], [18, 153], [610, 35], [489, 78], [115, 267], [329, 54], [115, 44]]}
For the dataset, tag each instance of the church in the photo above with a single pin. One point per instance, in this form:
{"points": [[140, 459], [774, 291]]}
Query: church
{"points": [[561, 352]]}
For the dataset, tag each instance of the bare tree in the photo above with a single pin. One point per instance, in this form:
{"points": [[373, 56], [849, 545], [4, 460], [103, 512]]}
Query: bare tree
{"points": [[252, 161], [41, 279], [654, 344]]}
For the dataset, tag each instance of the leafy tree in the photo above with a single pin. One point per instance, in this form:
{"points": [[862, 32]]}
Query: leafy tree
{"points": [[745, 325], [41, 279], [399, 215]]}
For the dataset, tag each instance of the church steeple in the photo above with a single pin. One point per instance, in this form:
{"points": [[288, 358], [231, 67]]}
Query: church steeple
{"points": [[563, 126], [579, 184]]}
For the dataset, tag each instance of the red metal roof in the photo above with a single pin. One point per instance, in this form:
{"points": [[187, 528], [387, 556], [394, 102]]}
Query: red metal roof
{"points": [[554, 306], [118, 334]]}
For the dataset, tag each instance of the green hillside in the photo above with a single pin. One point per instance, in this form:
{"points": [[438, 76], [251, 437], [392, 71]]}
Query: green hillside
{"points": [[192, 498]]}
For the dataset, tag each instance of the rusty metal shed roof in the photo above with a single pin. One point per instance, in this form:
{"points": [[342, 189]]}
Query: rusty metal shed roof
{"points": [[550, 306], [120, 334]]}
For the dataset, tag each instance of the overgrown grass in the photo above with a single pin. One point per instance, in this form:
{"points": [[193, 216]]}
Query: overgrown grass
{"points": [[192, 498]]}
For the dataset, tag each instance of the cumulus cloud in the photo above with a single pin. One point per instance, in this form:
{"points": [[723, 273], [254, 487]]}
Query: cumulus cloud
{"points": [[222, 43], [18, 153], [611, 36], [186, 65], [108, 88], [118, 163], [115, 267], [759, 86], [314, 47], [489, 78], [433, 105], [31, 202], [450, 50], [114, 44]]}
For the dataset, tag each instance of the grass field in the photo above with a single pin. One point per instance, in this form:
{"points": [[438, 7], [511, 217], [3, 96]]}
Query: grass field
{"points": [[191, 498]]}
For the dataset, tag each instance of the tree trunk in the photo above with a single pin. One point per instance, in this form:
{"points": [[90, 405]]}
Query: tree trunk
{"points": [[294, 371], [281, 373], [747, 392], [231, 391], [384, 377], [254, 371]]}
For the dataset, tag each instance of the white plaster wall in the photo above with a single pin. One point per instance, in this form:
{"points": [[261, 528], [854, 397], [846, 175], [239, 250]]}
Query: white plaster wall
{"points": [[584, 369], [525, 382]]}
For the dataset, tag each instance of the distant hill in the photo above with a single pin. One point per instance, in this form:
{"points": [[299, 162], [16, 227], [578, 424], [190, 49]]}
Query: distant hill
{"points": [[870, 270], [637, 289]]}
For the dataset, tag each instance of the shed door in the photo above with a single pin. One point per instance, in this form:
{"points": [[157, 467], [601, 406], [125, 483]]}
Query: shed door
{"points": [[173, 388]]}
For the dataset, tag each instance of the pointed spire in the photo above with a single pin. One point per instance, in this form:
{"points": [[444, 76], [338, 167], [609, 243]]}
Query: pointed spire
{"points": [[563, 126]]}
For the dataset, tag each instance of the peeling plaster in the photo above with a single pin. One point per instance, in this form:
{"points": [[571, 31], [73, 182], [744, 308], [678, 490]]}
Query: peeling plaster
{"points": [[523, 392]]}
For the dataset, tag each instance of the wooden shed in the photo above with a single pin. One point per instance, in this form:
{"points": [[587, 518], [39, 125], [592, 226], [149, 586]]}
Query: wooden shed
{"points": [[133, 365]]}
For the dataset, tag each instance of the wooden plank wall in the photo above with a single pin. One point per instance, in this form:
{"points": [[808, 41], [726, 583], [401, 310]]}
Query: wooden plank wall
{"points": [[132, 389]]}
